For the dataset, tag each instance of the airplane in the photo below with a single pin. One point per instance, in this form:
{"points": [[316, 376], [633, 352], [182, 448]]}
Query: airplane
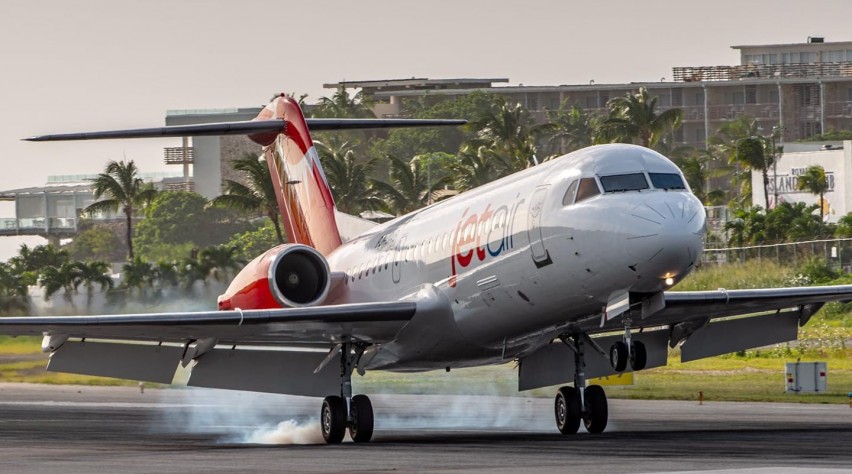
{"points": [[565, 267]]}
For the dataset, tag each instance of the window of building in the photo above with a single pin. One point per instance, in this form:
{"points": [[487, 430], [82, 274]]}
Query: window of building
{"points": [[591, 102], [677, 98], [698, 97], [750, 94], [532, 103], [738, 98], [849, 94], [699, 135], [773, 96], [664, 100], [554, 103]]}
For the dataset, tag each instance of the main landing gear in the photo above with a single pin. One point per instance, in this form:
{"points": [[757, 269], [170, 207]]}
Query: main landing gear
{"points": [[576, 403], [345, 411]]}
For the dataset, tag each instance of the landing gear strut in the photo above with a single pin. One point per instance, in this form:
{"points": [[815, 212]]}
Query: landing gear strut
{"points": [[578, 403], [346, 411], [628, 350]]}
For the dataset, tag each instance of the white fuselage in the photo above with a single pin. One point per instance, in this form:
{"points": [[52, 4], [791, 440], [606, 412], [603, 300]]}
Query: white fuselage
{"points": [[516, 259]]}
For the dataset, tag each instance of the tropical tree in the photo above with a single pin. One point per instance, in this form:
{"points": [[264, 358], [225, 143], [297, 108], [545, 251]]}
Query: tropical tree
{"points": [[257, 195], [221, 261], [66, 277], [91, 274], [125, 190], [343, 105], [698, 168], [634, 118], [475, 166], [568, 130], [747, 226], [409, 187], [348, 176], [31, 262], [740, 142], [813, 181], [14, 293], [509, 131]]}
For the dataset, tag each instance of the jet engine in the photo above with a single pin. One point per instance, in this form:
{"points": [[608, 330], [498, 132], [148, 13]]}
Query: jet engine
{"points": [[290, 275]]}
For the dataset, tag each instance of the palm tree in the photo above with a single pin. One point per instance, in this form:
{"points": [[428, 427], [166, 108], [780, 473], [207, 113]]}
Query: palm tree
{"points": [[475, 166], [258, 195], [347, 176], [408, 188], [124, 190], [747, 226], [569, 130], [31, 262], [813, 181], [740, 141], [634, 117], [341, 105], [65, 277], [697, 168], [509, 131], [91, 274], [221, 261]]}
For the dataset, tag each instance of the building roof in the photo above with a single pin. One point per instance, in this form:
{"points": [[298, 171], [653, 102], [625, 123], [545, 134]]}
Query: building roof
{"points": [[70, 188], [807, 45], [417, 82]]}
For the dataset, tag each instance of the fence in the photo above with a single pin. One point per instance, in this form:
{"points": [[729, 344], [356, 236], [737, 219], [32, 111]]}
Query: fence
{"points": [[837, 253]]}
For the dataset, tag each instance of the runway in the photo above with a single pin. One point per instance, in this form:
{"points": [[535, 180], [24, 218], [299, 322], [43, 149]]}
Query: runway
{"points": [[62, 429]]}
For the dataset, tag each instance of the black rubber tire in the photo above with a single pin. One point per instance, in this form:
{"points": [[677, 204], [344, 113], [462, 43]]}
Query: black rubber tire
{"points": [[618, 356], [333, 419], [638, 356], [597, 411], [567, 410], [361, 411]]}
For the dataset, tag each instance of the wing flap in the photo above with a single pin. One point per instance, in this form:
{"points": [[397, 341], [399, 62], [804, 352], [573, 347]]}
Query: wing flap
{"points": [[145, 362], [286, 372], [723, 337]]}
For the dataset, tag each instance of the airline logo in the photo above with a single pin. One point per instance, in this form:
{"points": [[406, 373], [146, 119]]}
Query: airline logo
{"points": [[482, 236]]}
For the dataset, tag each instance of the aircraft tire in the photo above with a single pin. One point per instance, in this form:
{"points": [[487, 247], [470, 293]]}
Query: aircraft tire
{"points": [[618, 356], [333, 419], [597, 412], [567, 410], [638, 356], [361, 411]]}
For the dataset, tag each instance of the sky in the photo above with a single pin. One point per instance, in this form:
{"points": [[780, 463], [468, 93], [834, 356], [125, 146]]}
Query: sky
{"points": [[82, 65]]}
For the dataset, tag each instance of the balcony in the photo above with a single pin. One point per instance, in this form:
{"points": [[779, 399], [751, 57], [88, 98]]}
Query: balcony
{"points": [[841, 109], [693, 113], [756, 111], [38, 226], [761, 71], [174, 155]]}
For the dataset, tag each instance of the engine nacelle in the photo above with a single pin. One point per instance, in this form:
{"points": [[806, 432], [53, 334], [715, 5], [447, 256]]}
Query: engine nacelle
{"points": [[290, 275]]}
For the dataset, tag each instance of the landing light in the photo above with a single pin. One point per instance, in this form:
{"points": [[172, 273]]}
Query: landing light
{"points": [[669, 281]]}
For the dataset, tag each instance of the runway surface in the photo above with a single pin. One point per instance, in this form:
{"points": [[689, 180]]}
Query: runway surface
{"points": [[62, 429]]}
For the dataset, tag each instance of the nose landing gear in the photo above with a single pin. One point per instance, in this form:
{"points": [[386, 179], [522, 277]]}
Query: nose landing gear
{"points": [[626, 351]]}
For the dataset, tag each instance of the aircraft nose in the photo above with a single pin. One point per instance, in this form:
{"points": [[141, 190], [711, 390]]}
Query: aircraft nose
{"points": [[665, 233]]}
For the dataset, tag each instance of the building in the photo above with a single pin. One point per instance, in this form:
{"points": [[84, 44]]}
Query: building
{"points": [[803, 88], [834, 157], [54, 211], [209, 157]]}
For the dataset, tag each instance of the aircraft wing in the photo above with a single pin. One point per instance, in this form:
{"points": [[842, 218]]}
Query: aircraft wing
{"points": [[371, 322], [276, 350]]}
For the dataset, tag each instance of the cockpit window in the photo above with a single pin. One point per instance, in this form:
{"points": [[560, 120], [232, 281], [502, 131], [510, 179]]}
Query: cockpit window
{"points": [[624, 182], [666, 181], [586, 189], [569, 195]]}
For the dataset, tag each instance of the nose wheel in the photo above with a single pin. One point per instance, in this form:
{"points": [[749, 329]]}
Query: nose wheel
{"points": [[628, 351]]}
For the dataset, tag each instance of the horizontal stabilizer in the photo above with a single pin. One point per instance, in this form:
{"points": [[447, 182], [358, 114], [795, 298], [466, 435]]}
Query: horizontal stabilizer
{"points": [[246, 128]]}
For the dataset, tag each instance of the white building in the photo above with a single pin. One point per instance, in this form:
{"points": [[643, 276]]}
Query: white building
{"points": [[834, 157]]}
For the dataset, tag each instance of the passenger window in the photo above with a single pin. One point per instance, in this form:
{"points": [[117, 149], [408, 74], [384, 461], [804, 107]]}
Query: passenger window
{"points": [[586, 189], [569, 194]]}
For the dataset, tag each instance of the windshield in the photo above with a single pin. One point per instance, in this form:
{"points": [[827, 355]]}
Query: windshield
{"points": [[666, 181], [624, 182]]}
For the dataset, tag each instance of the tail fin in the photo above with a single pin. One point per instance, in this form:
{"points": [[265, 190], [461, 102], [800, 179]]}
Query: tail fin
{"points": [[304, 196]]}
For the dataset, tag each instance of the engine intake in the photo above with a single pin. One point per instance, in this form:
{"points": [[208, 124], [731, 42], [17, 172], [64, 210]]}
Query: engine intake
{"points": [[290, 275], [299, 276]]}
